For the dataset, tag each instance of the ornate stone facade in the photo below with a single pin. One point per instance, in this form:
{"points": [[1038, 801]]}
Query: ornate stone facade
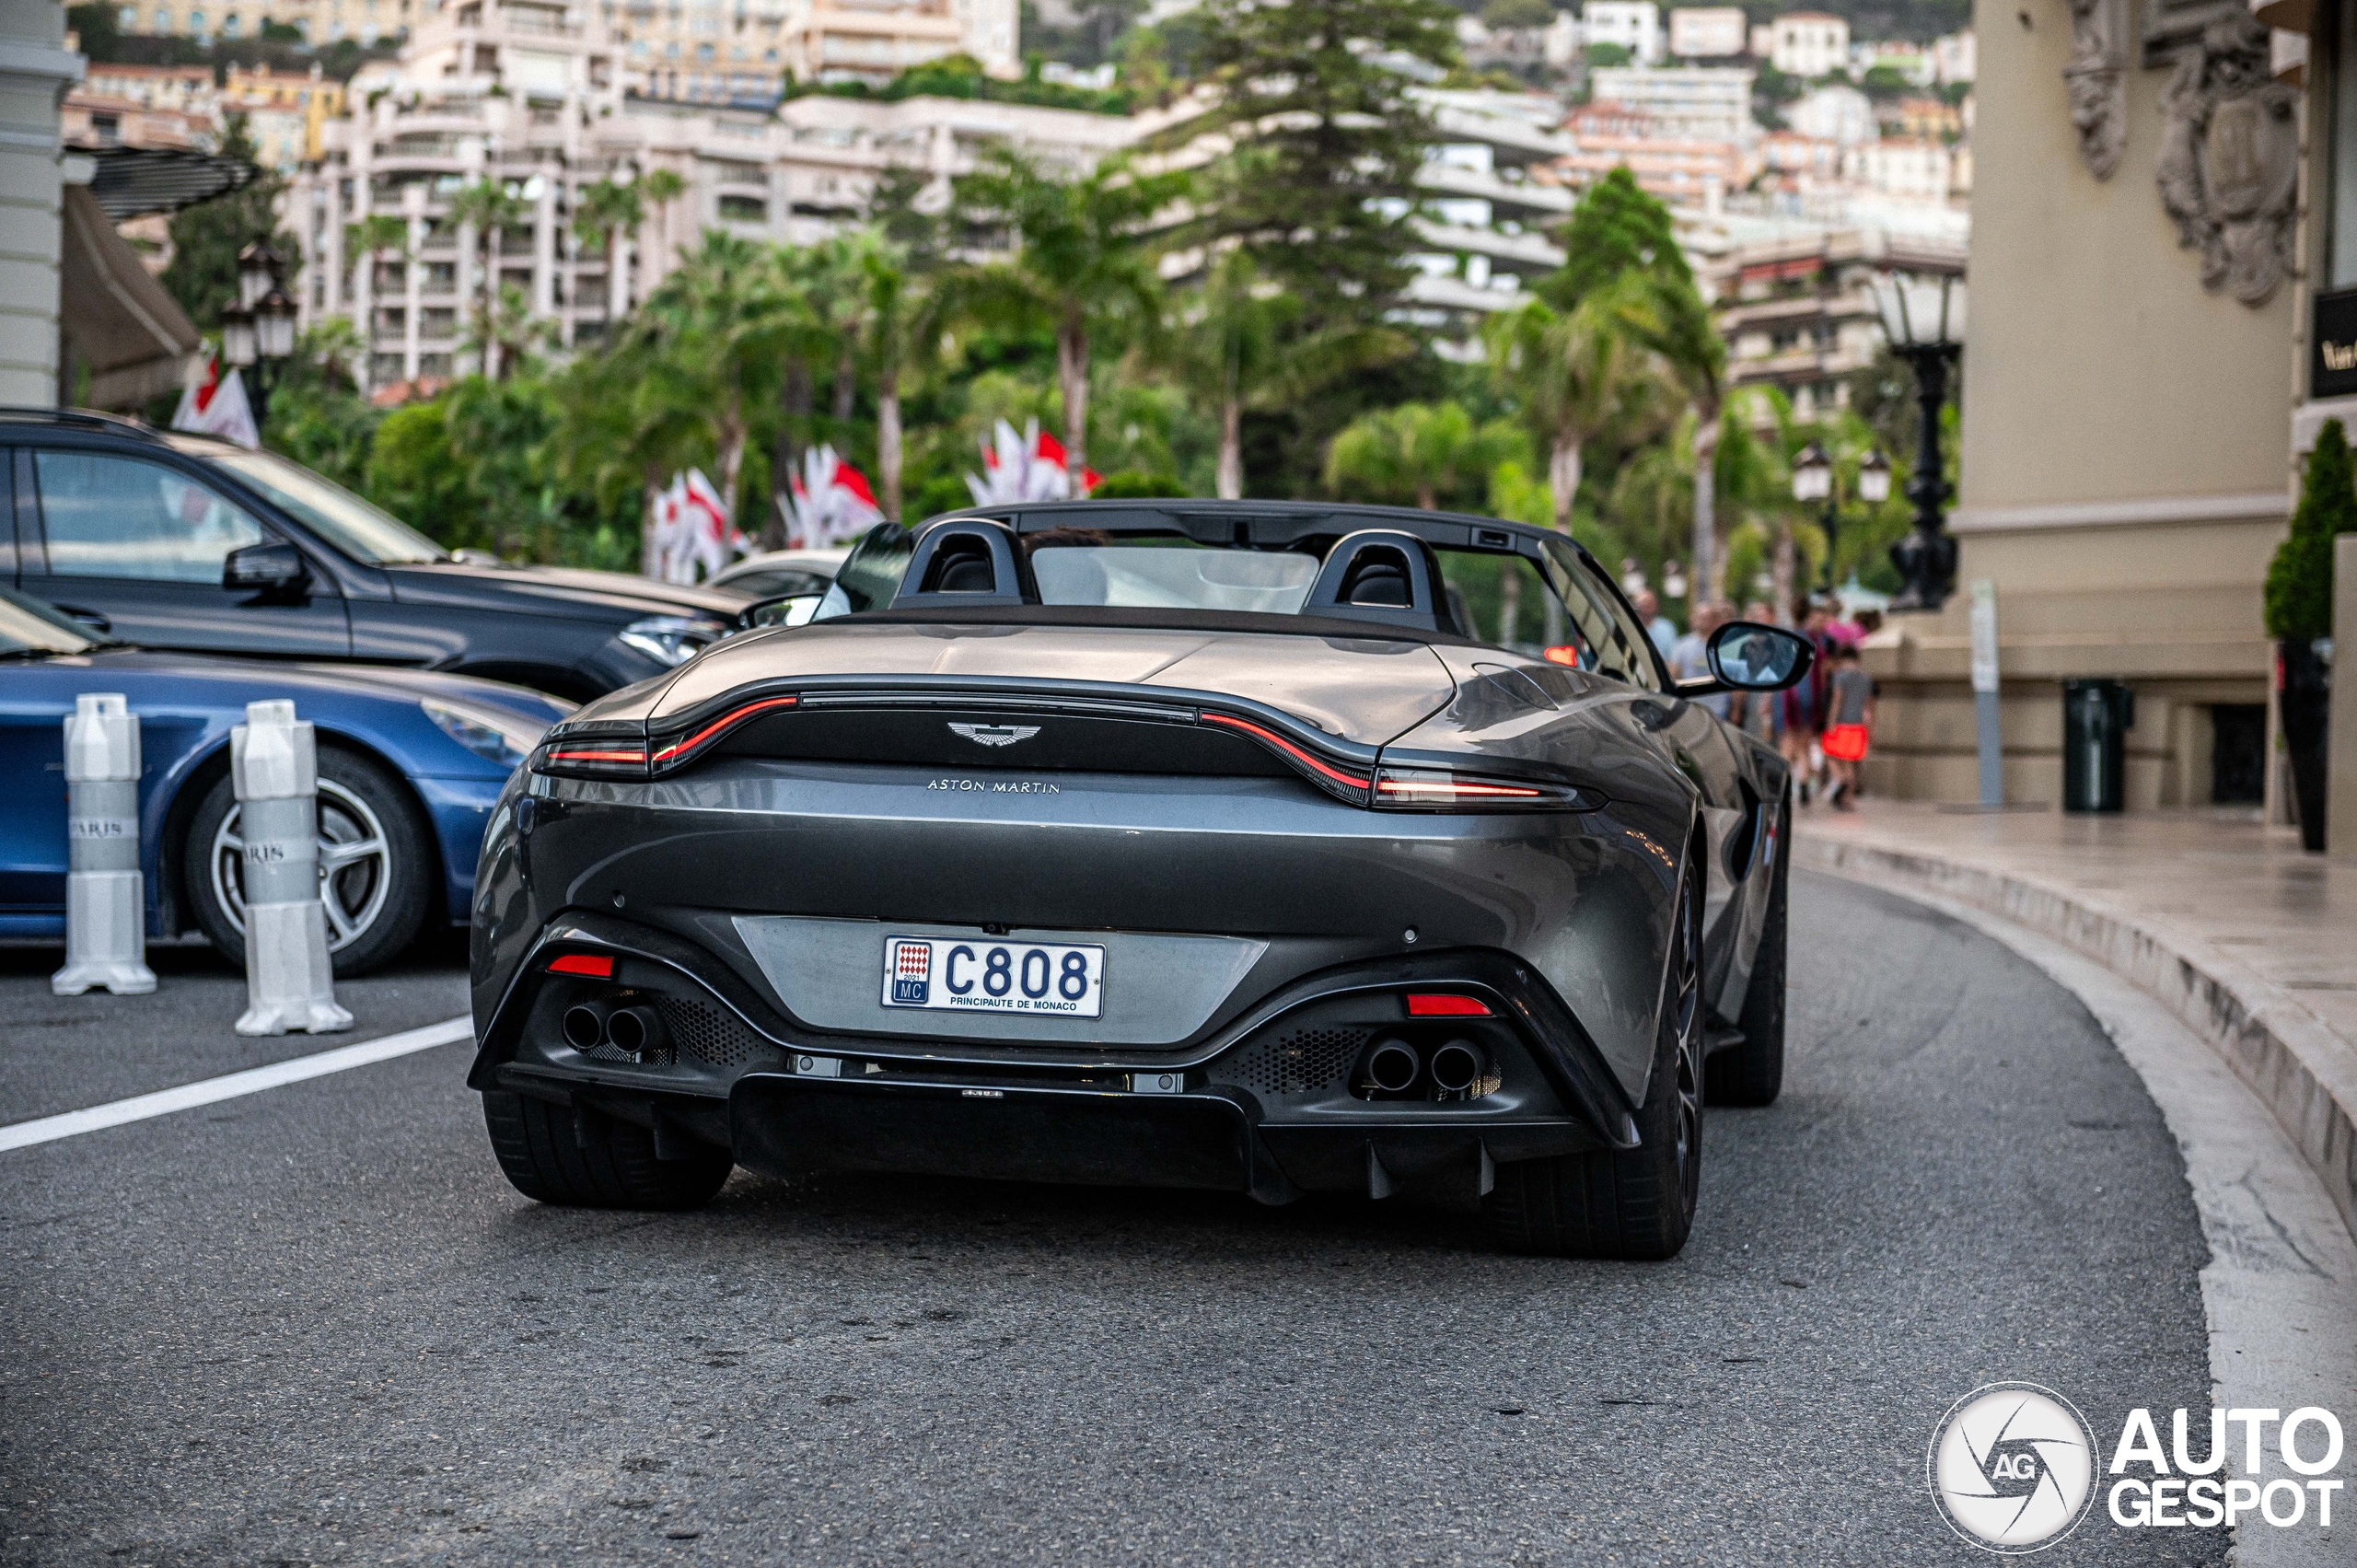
{"points": [[2096, 79], [2229, 163]]}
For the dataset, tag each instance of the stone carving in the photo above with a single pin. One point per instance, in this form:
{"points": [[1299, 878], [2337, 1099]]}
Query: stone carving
{"points": [[2096, 79], [2230, 156]]}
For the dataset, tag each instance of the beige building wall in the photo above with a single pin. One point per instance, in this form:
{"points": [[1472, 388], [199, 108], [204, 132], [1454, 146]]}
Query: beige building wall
{"points": [[2125, 468], [35, 70]]}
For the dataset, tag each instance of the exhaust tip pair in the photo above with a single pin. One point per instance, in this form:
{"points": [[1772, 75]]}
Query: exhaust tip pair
{"points": [[635, 1030], [1395, 1067]]}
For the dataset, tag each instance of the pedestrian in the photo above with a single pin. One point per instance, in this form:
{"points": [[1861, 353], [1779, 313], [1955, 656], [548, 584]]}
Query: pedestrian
{"points": [[1850, 715], [1689, 657], [1804, 702], [1657, 625]]}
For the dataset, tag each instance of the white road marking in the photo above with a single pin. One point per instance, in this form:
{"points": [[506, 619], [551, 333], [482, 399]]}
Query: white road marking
{"points": [[229, 1086]]}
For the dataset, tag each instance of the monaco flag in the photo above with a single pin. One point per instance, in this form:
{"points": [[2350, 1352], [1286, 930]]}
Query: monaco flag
{"points": [[1029, 467], [829, 502], [213, 403]]}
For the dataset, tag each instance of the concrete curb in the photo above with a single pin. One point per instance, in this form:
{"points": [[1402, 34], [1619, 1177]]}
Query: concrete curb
{"points": [[2304, 1073]]}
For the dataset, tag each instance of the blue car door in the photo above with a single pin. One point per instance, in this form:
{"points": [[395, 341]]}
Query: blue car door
{"points": [[32, 793]]}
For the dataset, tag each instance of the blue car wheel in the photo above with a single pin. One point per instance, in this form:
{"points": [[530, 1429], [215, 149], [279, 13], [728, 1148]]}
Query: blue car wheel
{"points": [[376, 865]]}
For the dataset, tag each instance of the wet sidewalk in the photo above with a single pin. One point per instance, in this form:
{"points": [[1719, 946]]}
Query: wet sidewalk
{"points": [[2252, 943]]}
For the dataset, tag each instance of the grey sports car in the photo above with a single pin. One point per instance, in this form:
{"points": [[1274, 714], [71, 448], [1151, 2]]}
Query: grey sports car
{"points": [[1275, 848]]}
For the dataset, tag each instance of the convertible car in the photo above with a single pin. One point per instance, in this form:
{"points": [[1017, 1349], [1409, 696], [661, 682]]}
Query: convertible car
{"points": [[1275, 848]]}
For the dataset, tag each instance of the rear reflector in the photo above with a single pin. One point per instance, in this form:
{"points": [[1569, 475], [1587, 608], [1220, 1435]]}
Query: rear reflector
{"points": [[1565, 654], [1443, 1004], [595, 965]]}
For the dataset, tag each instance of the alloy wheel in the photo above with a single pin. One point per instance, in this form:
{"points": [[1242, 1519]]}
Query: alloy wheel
{"points": [[355, 866]]}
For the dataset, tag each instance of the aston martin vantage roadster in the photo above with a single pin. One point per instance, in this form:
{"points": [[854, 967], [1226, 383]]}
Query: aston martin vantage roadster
{"points": [[1274, 848]]}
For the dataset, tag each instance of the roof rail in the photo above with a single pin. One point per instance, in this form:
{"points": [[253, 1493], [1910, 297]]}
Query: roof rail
{"points": [[26, 414]]}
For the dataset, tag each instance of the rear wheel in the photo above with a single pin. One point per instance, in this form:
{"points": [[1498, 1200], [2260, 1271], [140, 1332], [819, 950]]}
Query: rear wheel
{"points": [[583, 1158], [1753, 1072], [1631, 1203]]}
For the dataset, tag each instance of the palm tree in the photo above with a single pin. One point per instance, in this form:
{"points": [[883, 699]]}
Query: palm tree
{"points": [[606, 212], [904, 321], [369, 239], [625, 421], [1571, 370], [658, 190], [1418, 451], [1082, 264], [717, 329], [1235, 350], [490, 207], [1673, 321]]}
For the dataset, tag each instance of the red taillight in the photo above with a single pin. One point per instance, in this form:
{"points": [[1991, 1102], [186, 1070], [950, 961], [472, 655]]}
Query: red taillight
{"points": [[1454, 789], [1565, 654], [1445, 1004], [597, 966], [724, 721], [632, 758], [1272, 738]]}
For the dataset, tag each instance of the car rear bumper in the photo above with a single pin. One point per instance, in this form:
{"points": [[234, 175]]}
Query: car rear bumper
{"points": [[787, 1124]]}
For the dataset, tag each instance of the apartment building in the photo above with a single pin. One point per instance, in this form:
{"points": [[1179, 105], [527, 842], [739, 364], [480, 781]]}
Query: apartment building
{"points": [[1491, 203], [286, 112], [1800, 314], [1634, 25], [1707, 32], [1702, 103], [539, 98], [1809, 44], [1689, 174], [319, 21]]}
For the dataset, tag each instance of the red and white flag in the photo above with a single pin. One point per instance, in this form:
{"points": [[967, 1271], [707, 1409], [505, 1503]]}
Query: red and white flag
{"points": [[1029, 467], [829, 502], [692, 530], [213, 403]]}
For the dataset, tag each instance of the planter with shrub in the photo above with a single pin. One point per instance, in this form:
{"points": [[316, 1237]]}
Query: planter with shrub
{"points": [[2299, 617]]}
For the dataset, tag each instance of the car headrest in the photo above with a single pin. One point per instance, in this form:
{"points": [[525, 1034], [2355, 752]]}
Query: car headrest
{"points": [[966, 561], [1381, 575]]}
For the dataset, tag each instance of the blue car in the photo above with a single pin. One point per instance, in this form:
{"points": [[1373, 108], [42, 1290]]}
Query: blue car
{"points": [[410, 763]]}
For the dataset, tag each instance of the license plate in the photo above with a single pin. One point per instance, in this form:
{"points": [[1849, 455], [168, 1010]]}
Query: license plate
{"points": [[956, 975]]}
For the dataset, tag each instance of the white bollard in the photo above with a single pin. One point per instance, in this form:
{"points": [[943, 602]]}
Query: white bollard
{"points": [[289, 985], [106, 904]]}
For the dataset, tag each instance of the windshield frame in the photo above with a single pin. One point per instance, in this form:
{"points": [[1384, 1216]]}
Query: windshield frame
{"points": [[11, 645], [265, 472]]}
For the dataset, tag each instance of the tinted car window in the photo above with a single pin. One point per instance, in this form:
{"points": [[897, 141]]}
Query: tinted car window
{"points": [[359, 529], [110, 516], [771, 584], [1618, 644]]}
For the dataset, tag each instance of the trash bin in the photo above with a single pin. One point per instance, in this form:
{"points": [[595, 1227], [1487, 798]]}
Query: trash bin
{"points": [[2096, 717]]}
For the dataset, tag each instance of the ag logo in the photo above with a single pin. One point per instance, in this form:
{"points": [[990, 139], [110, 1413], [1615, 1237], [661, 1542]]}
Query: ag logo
{"points": [[995, 734], [2011, 1466]]}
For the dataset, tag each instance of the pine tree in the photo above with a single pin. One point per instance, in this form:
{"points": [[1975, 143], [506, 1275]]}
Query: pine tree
{"points": [[2299, 580], [1321, 185], [1617, 229]]}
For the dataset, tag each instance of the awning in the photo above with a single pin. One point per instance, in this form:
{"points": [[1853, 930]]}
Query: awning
{"points": [[130, 181], [114, 319]]}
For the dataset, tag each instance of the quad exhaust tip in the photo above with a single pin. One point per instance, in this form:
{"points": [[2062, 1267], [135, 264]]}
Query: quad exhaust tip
{"points": [[1392, 1066], [636, 1029], [1458, 1066]]}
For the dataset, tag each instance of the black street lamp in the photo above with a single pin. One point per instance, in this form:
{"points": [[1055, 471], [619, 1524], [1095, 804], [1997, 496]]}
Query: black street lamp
{"points": [[258, 332], [1813, 480], [1925, 558]]}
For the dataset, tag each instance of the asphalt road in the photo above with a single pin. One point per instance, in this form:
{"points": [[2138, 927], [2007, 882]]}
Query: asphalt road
{"points": [[316, 1326]]}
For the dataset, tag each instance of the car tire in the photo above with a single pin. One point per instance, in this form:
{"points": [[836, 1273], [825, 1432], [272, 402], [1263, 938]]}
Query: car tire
{"points": [[379, 897], [1753, 1073], [1637, 1203], [583, 1158]]}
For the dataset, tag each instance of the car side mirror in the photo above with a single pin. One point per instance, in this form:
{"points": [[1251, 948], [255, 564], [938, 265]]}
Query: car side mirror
{"points": [[1747, 656], [274, 566], [785, 609]]}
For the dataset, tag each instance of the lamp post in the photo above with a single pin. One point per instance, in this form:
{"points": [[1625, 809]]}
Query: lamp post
{"points": [[1873, 489], [1813, 480], [258, 332], [1925, 558]]}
